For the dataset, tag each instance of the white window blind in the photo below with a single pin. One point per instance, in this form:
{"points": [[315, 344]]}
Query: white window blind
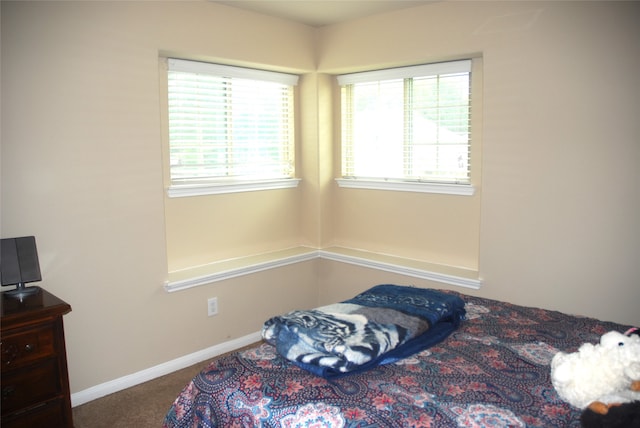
{"points": [[229, 123], [408, 123]]}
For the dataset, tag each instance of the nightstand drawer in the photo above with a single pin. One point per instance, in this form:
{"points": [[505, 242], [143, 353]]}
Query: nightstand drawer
{"points": [[34, 384], [50, 414], [30, 385], [23, 347]]}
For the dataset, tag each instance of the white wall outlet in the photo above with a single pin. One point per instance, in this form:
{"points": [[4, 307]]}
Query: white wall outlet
{"points": [[212, 306]]}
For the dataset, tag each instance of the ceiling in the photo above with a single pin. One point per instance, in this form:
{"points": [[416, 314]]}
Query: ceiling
{"points": [[318, 13]]}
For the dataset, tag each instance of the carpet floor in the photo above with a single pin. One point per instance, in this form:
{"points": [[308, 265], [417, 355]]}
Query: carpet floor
{"points": [[141, 406]]}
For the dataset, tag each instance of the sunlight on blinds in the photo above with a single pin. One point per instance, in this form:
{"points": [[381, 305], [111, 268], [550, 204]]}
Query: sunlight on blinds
{"points": [[224, 125], [408, 126]]}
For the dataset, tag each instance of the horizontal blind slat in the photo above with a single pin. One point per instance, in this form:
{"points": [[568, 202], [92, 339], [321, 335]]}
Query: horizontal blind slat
{"points": [[407, 127], [222, 126]]}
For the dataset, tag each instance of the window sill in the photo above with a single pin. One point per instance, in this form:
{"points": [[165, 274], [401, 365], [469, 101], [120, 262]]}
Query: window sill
{"points": [[185, 190], [231, 268], [407, 186], [445, 274], [226, 269]]}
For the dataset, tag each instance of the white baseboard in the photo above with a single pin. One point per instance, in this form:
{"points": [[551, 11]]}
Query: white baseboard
{"points": [[440, 273], [134, 379]]}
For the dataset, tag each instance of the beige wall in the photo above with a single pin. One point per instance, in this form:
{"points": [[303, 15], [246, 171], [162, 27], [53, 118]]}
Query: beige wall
{"points": [[82, 165], [559, 216], [82, 171]]}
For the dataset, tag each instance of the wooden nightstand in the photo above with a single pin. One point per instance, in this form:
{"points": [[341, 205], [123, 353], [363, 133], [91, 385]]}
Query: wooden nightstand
{"points": [[35, 380]]}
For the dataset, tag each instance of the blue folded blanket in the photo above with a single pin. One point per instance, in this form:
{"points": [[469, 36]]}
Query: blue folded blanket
{"points": [[379, 326]]}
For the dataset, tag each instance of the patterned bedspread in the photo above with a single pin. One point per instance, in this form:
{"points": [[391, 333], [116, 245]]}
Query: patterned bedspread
{"points": [[492, 371]]}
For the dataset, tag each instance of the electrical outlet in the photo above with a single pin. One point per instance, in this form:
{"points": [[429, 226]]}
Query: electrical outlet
{"points": [[212, 306]]}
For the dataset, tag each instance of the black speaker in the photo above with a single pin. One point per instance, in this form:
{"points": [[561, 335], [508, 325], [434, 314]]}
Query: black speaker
{"points": [[19, 261]]}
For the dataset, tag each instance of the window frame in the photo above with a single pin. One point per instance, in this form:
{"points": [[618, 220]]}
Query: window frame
{"points": [[416, 185], [220, 185]]}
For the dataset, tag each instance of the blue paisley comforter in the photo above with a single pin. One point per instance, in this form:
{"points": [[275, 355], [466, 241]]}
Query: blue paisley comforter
{"points": [[379, 326], [492, 371]]}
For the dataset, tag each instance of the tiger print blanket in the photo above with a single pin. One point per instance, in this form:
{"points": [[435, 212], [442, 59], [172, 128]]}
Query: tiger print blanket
{"points": [[379, 326]]}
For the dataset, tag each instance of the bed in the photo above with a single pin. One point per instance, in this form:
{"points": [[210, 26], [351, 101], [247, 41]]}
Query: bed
{"points": [[491, 370]]}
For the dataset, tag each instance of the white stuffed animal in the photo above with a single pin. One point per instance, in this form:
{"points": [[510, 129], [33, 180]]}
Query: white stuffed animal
{"points": [[605, 372]]}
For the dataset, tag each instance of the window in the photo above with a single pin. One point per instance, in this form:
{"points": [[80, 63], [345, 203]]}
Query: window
{"points": [[228, 126], [408, 124]]}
